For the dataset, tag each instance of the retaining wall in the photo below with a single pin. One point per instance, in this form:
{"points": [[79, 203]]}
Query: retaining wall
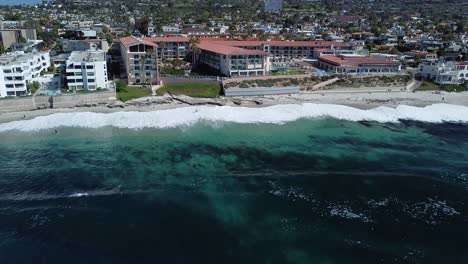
{"points": [[259, 91]]}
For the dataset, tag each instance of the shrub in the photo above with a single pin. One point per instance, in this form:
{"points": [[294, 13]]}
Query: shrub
{"points": [[120, 86]]}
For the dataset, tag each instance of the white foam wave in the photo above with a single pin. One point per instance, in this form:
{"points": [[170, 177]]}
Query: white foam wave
{"points": [[277, 114]]}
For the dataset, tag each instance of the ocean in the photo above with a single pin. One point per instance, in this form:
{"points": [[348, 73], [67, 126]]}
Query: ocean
{"points": [[283, 184], [20, 2]]}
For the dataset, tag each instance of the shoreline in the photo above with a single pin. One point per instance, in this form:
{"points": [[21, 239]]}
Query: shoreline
{"points": [[363, 100]]}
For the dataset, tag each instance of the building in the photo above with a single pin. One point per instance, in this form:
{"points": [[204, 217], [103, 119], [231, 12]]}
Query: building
{"points": [[18, 69], [87, 70], [273, 6], [420, 55], [219, 53], [284, 51], [10, 36], [233, 61], [140, 59], [171, 47], [69, 45], [442, 72], [357, 65]]}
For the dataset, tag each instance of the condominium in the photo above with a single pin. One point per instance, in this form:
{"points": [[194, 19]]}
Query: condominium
{"points": [[87, 70], [18, 69], [139, 59]]}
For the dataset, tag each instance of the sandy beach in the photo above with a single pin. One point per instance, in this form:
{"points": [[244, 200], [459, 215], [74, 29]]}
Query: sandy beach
{"points": [[362, 99]]}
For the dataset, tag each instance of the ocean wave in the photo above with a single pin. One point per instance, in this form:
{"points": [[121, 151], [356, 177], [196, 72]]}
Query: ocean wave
{"points": [[277, 114]]}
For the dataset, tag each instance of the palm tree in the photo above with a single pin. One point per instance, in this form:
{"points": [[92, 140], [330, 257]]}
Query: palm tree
{"points": [[195, 49], [149, 55], [161, 45]]}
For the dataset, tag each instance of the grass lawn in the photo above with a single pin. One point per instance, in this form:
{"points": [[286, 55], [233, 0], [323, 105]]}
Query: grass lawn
{"points": [[203, 90], [130, 93], [428, 86]]}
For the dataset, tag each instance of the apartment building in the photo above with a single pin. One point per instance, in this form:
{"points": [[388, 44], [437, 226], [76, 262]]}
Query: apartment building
{"points": [[140, 59], [17, 69], [9, 37], [441, 72], [357, 65], [86, 70], [234, 61], [171, 47]]}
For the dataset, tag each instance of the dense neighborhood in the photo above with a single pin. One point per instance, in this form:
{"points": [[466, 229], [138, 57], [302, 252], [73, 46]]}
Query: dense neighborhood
{"points": [[82, 46]]}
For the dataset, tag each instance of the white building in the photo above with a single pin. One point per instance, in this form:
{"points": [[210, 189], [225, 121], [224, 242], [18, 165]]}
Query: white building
{"points": [[87, 70], [17, 69], [441, 72]]}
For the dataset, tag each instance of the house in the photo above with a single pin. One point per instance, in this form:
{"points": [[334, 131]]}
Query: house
{"points": [[420, 55], [442, 72]]}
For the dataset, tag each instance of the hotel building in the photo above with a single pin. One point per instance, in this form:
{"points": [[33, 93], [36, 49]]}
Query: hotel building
{"points": [[229, 57], [234, 61], [357, 65]]}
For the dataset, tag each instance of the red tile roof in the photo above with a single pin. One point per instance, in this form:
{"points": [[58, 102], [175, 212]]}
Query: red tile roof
{"points": [[168, 39], [354, 62], [129, 41], [227, 50]]}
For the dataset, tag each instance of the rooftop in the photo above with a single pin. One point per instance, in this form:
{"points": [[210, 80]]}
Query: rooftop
{"points": [[354, 62], [87, 56], [18, 57], [227, 50]]}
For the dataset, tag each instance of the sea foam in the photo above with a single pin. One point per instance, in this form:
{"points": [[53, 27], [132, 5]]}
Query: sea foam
{"points": [[277, 114]]}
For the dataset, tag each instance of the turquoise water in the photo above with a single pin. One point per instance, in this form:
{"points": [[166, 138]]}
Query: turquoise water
{"points": [[308, 191], [21, 2]]}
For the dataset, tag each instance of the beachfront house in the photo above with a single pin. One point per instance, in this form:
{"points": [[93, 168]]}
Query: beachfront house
{"points": [[441, 72]]}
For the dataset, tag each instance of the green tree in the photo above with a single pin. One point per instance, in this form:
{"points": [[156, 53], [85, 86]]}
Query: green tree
{"points": [[120, 86]]}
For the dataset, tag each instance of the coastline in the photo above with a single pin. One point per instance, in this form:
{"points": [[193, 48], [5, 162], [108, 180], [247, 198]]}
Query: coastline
{"points": [[357, 99]]}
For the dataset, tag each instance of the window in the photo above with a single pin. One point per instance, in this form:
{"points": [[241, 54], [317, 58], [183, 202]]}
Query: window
{"points": [[89, 67], [90, 80], [7, 71]]}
